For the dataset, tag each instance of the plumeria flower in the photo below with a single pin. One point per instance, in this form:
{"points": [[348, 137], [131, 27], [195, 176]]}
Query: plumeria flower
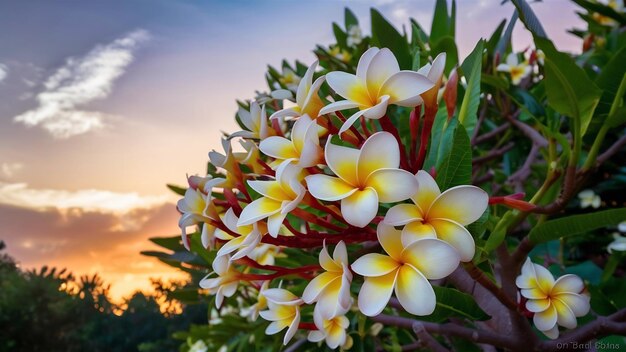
{"points": [[366, 177], [196, 207], [517, 70], [553, 302], [303, 148], [440, 215], [588, 198], [333, 330], [355, 37], [621, 227], [340, 54], [405, 270], [434, 73], [265, 254], [261, 301], [378, 82], [331, 289], [249, 236], [618, 244], [199, 346], [307, 100], [289, 78], [279, 197], [284, 311], [226, 282], [255, 122]]}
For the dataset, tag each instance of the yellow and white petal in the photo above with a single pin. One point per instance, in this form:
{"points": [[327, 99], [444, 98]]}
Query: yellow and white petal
{"points": [[305, 84], [415, 231], [299, 131], [380, 151], [269, 189], [290, 112], [414, 292], [503, 68], [578, 303], [392, 185], [382, 66], [456, 235], [404, 88], [337, 106], [245, 118], [275, 327], [565, 316], [568, 283], [274, 222], [463, 204], [231, 246], [428, 191], [208, 235], [342, 161], [402, 214], [364, 62], [221, 265], [435, 259], [328, 302], [537, 305], [528, 277], [229, 289], [349, 86], [391, 240], [360, 208], [375, 293], [327, 262], [328, 188], [545, 320], [279, 148], [336, 336], [230, 220], [316, 336], [312, 103], [533, 293], [351, 120], [257, 210], [293, 327], [436, 71], [378, 108], [545, 280], [552, 333], [281, 297], [311, 153], [340, 254], [374, 264], [318, 285]]}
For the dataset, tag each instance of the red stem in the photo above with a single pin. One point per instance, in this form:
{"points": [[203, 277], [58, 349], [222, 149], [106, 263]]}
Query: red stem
{"points": [[429, 119]]}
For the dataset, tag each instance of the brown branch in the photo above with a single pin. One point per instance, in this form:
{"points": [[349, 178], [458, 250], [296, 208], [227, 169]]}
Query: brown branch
{"points": [[611, 150], [491, 134], [485, 282], [493, 154], [530, 132], [427, 340], [479, 122]]}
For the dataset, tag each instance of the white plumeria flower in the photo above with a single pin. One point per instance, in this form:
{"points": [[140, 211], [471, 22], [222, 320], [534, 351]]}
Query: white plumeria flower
{"points": [[553, 302], [280, 196], [199, 346], [405, 270], [366, 177], [261, 301], [303, 148], [355, 37], [541, 56], [284, 311], [333, 330], [618, 244], [331, 289], [249, 236], [621, 227], [378, 82], [255, 122], [226, 282], [289, 78], [517, 70], [307, 100], [196, 207], [588, 198], [440, 215], [434, 73], [265, 254]]}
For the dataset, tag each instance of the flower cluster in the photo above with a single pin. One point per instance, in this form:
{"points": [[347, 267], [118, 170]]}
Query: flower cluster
{"points": [[305, 194]]}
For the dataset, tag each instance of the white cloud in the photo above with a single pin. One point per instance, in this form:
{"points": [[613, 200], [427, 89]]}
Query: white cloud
{"points": [[20, 195], [9, 170], [4, 71], [79, 82]]}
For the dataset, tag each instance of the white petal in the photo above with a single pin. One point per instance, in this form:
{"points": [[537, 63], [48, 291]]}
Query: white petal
{"points": [[274, 223], [537, 305], [379, 151], [552, 333], [305, 84], [565, 316], [374, 264], [436, 71], [375, 293], [455, 235], [427, 192], [338, 105], [463, 204], [257, 210], [404, 88], [391, 240], [545, 320], [434, 258], [364, 62], [382, 66], [392, 185], [348, 86], [568, 283], [377, 111], [293, 328], [342, 161], [316, 336], [351, 120], [579, 304], [414, 292], [328, 188], [415, 231], [317, 286], [278, 147], [340, 254], [360, 208], [402, 214]]}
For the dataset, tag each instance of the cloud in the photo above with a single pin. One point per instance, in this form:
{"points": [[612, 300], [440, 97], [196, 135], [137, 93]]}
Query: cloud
{"points": [[8, 170], [79, 82], [4, 72]]}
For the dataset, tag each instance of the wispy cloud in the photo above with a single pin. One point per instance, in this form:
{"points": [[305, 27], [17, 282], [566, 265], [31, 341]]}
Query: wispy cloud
{"points": [[4, 71], [79, 82], [8, 170]]}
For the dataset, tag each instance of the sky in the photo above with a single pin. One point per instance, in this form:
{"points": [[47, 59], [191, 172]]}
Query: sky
{"points": [[102, 103]]}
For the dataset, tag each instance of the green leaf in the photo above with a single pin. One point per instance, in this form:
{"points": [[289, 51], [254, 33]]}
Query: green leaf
{"points": [[440, 139], [528, 17], [173, 243], [177, 189], [458, 303], [340, 35], [495, 37], [441, 22], [602, 9], [418, 36], [350, 19], [494, 81], [447, 45], [468, 113], [384, 35], [576, 224], [505, 40], [609, 80], [569, 89], [456, 168]]}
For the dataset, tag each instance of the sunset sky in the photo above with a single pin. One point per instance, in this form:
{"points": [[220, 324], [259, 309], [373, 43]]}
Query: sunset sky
{"points": [[104, 102]]}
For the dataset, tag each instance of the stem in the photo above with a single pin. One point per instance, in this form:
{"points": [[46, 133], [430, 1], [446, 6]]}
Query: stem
{"points": [[429, 119], [480, 277]]}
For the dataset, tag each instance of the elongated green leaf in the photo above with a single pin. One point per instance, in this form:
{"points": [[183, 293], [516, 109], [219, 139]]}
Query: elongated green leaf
{"points": [[350, 19], [528, 17], [468, 113], [456, 168], [177, 189], [505, 40], [602, 9], [440, 140], [458, 303], [418, 36], [495, 37], [340, 35], [494, 81], [173, 243], [576, 224], [569, 89], [447, 45], [609, 80], [384, 35], [441, 22]]}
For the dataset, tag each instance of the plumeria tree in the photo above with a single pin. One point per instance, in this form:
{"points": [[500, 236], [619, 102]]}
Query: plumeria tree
{"points": [[390, 196]]}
